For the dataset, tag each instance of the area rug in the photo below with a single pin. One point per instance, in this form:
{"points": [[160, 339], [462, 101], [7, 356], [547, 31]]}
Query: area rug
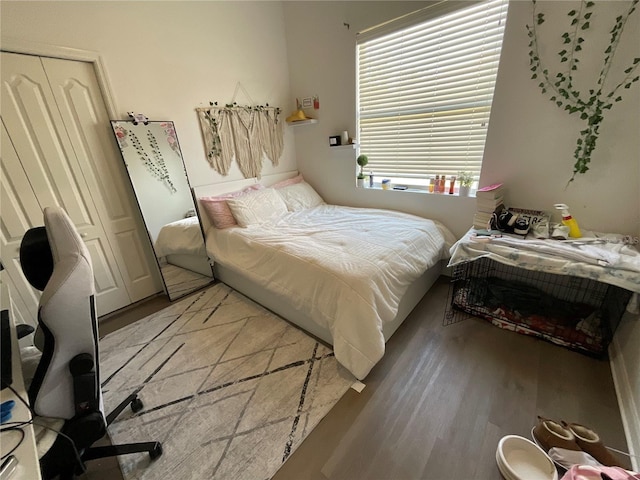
{"points": [[229, 388]]}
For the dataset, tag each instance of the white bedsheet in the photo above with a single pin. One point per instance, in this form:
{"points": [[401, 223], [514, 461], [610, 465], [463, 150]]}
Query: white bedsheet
{"points": [[182, 236], [348, 267], [602, 257]]}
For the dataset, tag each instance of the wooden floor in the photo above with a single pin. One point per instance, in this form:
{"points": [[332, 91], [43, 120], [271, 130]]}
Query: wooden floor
{"points": [[437, 404]]}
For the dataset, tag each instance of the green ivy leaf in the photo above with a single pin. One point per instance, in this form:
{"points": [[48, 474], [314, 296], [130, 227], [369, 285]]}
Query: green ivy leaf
{"points": [[628, 70], [574, 21], [534, 76], [584, 26], [618, 99], [563, 59], [580, 39], [584, 116], [578, 48], [587, 15], [608, 50], [572, 13], [562, 53], [559, 103], [589, 4], [574, 67], [567, 40]]}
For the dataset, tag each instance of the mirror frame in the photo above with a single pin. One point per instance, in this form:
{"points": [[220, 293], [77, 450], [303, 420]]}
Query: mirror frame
{"points": [[146, 151]]}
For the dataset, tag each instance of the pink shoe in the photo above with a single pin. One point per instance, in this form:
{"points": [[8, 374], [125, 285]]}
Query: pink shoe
{"points": [[586, 472]]}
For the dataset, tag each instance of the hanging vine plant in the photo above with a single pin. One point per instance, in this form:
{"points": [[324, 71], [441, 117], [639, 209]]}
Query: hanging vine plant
{"points": [[590, 104]]}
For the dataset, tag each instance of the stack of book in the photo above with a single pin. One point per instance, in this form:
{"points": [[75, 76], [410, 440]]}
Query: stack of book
{"points": [[488, 200]]}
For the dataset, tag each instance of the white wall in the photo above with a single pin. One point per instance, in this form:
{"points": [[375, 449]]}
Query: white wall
{"points": [[164, 59], [322, 58], [530, 141]]}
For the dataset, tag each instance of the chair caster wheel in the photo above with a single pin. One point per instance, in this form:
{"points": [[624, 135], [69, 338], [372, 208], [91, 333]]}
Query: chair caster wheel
{"points": [[156, 452], [136, 405]]}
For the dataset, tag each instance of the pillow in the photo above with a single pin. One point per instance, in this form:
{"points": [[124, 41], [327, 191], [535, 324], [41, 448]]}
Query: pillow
{"points": [[300, 196], [257, 207], [218, 210], [288, 181]]}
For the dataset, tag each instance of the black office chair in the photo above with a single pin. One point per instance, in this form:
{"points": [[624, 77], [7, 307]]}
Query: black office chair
{"points": [[66, 382]]}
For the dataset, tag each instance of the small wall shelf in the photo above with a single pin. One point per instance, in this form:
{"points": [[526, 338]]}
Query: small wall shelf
{"points": [[308, 121], [343, 147]]}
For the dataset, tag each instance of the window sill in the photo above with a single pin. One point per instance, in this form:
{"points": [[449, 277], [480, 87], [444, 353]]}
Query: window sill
{"points": [[417, 190]]}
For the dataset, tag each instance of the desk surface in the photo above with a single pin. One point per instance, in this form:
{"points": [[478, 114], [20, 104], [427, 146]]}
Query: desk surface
{"points": [[26, 453]]}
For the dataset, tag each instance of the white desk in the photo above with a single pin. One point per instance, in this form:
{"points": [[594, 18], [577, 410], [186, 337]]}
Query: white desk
{"points": [[26, 453]]}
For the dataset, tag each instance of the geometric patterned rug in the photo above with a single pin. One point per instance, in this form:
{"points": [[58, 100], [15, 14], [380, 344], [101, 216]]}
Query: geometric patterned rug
{"points": [[229, 388]]}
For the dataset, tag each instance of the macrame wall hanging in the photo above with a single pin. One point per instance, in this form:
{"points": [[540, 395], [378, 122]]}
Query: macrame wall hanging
{"points": [[245, 133]]}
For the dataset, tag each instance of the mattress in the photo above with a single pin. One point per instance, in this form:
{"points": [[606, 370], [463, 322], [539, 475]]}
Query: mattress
{"points": [[180, 237], [348, 267]]}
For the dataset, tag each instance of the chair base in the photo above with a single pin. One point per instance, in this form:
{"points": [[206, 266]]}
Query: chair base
{"points": [[77, 454]]}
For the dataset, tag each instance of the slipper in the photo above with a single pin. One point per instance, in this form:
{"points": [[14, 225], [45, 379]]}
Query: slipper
{"points": [[549, 434], [589, 441]]}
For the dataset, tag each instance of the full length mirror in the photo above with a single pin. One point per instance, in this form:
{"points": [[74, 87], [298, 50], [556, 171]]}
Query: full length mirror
{"points": [[152, 155]]}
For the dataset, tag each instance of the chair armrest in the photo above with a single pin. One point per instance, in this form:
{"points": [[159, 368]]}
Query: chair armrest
{"points": [[85, 388]]}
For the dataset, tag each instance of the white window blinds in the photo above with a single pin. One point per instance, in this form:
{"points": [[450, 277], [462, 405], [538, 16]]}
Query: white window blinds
{"points": [[425, 92]]}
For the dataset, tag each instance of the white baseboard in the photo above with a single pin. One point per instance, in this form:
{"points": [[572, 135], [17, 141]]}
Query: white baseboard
{"points": [[626, 401]]}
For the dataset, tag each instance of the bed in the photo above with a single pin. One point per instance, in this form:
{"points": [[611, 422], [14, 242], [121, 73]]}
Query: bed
{"points": [[348, 276], [180, 244]]}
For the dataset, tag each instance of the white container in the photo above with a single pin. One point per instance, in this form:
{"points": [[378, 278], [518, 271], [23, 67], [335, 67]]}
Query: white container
{"points": [[344, 138], [518, 458]]}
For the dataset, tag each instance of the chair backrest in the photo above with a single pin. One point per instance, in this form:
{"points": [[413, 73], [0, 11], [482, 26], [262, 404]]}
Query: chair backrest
{"points": [[66, 318]]}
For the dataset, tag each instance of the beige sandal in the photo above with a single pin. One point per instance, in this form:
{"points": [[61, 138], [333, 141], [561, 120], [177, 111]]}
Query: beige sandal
{"points": [[590, 442], [548, 434]]}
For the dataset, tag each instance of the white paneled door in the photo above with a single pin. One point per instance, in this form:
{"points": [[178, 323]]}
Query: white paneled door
{"points": [[57, 150]]}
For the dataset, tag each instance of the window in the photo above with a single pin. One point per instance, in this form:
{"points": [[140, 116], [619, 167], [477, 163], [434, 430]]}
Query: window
{"points": [[425, 91]]}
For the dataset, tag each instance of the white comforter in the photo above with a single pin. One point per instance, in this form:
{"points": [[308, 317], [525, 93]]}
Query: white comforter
{"points": [[348, 267], [180, 237]]}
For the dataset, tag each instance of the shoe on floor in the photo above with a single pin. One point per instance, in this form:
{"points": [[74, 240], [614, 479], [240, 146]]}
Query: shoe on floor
{"points": [[549, 434], [589, 441]]}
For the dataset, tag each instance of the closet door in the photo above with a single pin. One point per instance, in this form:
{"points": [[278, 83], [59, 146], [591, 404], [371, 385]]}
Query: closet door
{"points": [[40, 143], [77, 93], [18, 212]]}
